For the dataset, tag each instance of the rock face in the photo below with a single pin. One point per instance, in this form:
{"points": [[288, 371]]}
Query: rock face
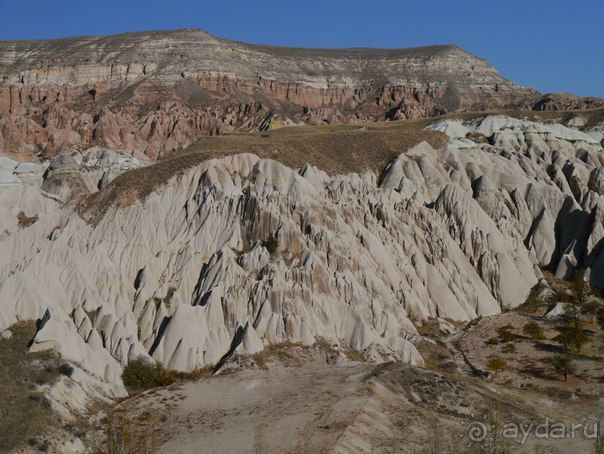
{"points": [[185, 276], [153, 92], [565, 101], [29, 189], [72, 173]]}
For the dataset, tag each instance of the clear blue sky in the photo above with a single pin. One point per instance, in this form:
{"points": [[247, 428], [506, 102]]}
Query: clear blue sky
{"points": [[552, 45]]}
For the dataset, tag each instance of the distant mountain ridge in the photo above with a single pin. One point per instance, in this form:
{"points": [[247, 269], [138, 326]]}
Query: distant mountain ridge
{"points": [[153, 92]]}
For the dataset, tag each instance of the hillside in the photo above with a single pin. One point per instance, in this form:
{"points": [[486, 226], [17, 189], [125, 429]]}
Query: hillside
{"points": [[153, 92]]}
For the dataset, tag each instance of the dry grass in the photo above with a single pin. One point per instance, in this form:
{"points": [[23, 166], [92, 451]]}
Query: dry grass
{"points": [[26, 221], [335, 149], [436, 356], [353, 355], [25, 417], [140, 375], [123, 435], [287, 353]]}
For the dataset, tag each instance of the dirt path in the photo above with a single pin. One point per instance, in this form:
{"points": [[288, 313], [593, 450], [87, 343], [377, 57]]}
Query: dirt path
{"points": [[281, 410]]}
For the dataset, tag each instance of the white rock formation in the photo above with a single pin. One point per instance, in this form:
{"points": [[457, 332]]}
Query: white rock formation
{"points": [[555, 310], [73, 173], [183, 277]]}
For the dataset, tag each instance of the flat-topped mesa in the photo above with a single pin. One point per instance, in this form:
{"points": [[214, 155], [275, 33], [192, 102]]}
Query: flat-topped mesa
{"points": [[169, 53], [153, 92]]}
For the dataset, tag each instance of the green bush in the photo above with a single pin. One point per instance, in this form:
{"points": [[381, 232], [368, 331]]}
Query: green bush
{"points": [[563, 364], [572, 338], [66, 369], [143, 374], [573, 312], [496, 364], [590, 309], [533, 330], [271, 244], [505, 334]]}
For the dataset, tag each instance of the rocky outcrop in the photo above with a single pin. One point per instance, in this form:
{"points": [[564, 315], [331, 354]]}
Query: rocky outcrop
{"points": [[556, 216], [186, 275], [153, 92], [566, 101]]}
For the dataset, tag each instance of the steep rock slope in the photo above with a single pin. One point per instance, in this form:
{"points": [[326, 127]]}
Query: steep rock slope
{"points": [[153, 92], [185, 276]]}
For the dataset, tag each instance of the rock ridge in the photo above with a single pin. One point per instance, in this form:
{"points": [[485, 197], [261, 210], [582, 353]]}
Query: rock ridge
{"points": [[154, 92]]}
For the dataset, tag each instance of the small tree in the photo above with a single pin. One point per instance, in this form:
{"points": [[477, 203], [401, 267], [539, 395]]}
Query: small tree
{"points": [[562, 364], [533, 330], [572, 314], [496, 364], [572, 338], [582, 288]]}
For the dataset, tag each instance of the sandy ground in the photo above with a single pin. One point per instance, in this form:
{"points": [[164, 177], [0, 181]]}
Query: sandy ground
{"points": [[348, 407], [286, 409]]}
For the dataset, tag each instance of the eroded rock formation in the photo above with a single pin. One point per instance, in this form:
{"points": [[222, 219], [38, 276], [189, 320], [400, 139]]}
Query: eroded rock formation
{"points": [[153, 92], [185, 276]]}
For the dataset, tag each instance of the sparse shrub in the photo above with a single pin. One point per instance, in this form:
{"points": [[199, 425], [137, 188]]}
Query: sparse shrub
{"points": [[505, 333], [124, 436], [496, 364], [533, 330], [572, 338], [143, 374], [573, 312], [600, 317], [581, 288], [562, 364], [476, 137], [271, 244], [66, 369], [492, 341], [171, 292], [590, 309], [411, 315], [353, 355]]}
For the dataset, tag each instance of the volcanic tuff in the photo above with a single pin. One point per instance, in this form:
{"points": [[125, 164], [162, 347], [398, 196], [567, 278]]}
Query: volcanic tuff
{"points": [[153, 92], [184, 276]]}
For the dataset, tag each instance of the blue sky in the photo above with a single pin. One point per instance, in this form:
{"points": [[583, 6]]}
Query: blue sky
{"points": [[552, 45]]}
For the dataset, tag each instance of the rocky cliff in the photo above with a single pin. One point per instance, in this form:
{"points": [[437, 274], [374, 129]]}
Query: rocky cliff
{"points": [[153, 92]]}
